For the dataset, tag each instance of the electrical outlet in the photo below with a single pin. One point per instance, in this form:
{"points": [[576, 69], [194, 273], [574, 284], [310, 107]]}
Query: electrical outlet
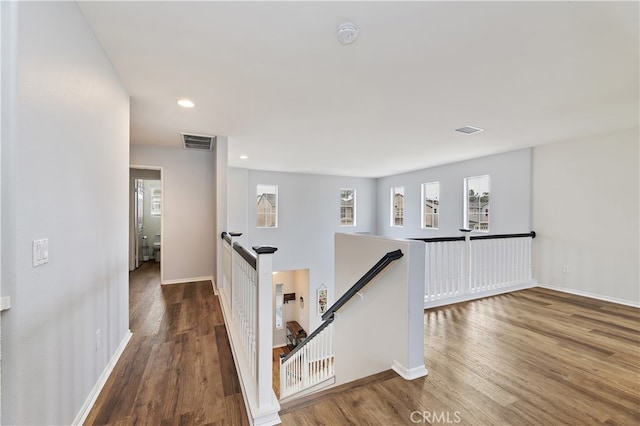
{"points": [[565, 269], [97, 339]]}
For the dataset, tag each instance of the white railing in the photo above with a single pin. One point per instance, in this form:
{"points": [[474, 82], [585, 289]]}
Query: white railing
{"points": [[496, 264], [246, 300], [312, 365], [443, 270], [467, 269], [245, 296]]}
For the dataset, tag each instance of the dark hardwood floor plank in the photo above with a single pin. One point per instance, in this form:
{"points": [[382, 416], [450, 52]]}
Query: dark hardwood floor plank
{"points": [[230, 382], [170, 373]]}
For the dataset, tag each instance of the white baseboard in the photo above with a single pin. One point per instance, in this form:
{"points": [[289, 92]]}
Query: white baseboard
{"points": [[632, 303], [93, 395], [188, 280], [409, 373]]}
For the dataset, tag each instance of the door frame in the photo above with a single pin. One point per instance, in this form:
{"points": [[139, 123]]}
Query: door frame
{"points": [[132, 218]]}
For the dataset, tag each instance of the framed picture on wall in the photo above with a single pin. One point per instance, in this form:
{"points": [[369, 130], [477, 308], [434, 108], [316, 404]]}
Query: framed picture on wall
{"points": [[322, 301]]}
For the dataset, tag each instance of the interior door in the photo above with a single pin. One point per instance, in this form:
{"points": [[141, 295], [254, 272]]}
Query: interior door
{"points": [[138, 213]]}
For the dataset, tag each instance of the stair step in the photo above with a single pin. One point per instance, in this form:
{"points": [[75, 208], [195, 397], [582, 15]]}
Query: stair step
{"points": [[305, 401]]}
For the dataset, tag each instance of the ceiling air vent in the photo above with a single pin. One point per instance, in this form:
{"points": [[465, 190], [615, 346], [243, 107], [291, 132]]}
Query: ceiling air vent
{"points": [[469, 130], [197, 142]]}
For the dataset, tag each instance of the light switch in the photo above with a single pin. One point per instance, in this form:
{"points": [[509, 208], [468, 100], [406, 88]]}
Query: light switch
{"points": [[40, 251]]}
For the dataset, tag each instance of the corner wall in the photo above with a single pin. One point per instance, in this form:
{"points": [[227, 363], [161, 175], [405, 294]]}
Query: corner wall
{"points": [[189, 210], [384, 327], [586, 196], [65, 166]]}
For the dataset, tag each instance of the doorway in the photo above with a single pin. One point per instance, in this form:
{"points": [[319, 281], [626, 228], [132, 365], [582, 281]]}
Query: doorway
{"points": [[146, 212], [291, 303]]}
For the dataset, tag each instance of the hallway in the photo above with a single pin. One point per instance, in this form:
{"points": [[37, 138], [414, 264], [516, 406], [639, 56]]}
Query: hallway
{"points": [[178, 367]]}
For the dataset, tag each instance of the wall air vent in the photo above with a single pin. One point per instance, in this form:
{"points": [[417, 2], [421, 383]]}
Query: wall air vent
{"points": [[469, 130], [197, 142]]}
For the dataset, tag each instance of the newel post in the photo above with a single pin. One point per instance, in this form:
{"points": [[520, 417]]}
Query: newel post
{"points": [[264, 338], [466, 258]]}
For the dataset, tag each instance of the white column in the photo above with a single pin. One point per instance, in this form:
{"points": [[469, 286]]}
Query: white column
{"points": [[414, 366], [265, 396], [221, 170]]}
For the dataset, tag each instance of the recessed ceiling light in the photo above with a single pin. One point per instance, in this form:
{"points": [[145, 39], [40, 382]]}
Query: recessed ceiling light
{"points": [[243, 157], [469, 130], [186, 103]]}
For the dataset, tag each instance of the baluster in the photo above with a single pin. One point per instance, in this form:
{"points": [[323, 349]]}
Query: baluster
{"points": [[494, 278], [473, 273], [515, 271]]}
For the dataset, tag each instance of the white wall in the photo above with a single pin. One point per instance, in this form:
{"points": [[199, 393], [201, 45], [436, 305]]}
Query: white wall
{"points": [[385, 328], [65, 175], [189, 203], [510, 175], [303, 311], [585, 214], [238, 199], [309, 215]]}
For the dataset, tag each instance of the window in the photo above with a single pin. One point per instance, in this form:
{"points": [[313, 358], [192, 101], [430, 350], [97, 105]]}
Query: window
{"points": [[347, 207], [397, 206], [430, 204], [279, 301], [156, 201], [476, 203], [267, 206]]}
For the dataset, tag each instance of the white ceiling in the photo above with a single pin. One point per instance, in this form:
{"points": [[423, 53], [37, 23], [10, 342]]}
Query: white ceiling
{"points": [[273, 78]]}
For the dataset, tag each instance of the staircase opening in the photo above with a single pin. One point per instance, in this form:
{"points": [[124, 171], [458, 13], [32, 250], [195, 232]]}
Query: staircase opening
{"points": [[291, 310]]}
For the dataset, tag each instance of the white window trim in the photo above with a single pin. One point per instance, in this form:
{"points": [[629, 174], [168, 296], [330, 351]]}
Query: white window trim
{"points": [[277, 207], [465, 204], [423, 202], [393, 207], [354, 207]]}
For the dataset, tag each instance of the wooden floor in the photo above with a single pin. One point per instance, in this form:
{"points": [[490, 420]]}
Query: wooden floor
{"points": [[178, 367], [534, 357]]}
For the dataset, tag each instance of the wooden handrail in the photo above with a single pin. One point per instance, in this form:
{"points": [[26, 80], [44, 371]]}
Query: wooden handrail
{"points": [[329, 316], [246, 254], [531, 234], [368, 276]]}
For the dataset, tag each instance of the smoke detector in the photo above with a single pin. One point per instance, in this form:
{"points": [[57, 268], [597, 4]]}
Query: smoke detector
{"points": [[347, 33]]}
